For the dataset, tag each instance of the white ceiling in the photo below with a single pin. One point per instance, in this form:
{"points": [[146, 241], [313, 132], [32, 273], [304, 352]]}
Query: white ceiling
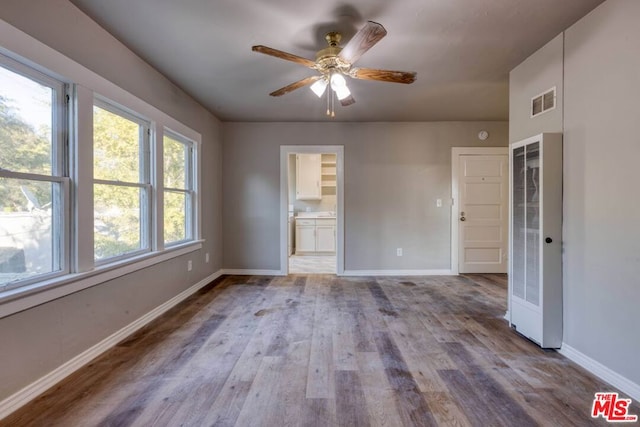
{"points": [[462, 51]]}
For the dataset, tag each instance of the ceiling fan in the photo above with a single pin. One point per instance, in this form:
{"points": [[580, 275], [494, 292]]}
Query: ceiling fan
{"points": [[334, 63]]}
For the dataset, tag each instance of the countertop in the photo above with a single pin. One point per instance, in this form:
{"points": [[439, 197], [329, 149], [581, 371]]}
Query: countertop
{"points": [[316, 215]]}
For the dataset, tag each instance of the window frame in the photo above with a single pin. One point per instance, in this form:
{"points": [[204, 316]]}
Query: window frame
{"points": [[189, 190], [61, 203], [144, 181], [82, 84]]}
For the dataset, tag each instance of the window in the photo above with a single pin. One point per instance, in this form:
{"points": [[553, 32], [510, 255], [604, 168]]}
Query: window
{"points": [[121, 185], [33, 185], [86, 193], [178, 189]]}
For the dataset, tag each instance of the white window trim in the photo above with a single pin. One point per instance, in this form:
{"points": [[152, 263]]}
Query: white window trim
{"points": [[196, 146], [58, 165], [85, 83], [190, 188], [144, 182]]}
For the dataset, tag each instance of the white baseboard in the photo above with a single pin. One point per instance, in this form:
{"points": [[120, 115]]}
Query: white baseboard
{"points": [[599, 370], [254, 272], [251, 272], [398, 273], [33, 390]]}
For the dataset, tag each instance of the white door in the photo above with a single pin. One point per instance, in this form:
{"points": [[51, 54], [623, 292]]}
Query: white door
{"points": [[483, 184], [325, 238]]}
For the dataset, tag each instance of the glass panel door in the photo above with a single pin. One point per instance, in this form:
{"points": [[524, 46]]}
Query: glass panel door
{"points": [[532, 195], [518, 224]]}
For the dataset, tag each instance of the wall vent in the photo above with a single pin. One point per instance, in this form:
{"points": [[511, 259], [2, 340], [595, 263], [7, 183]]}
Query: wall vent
{"points": [[544, 102]]}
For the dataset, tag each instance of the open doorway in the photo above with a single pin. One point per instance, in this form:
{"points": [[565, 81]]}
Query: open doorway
{"points": [[311, 188]]}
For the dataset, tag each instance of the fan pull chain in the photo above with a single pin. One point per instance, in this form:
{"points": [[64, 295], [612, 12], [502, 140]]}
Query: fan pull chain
{"points": [[333, 106], [328, 102], [331, 103]]}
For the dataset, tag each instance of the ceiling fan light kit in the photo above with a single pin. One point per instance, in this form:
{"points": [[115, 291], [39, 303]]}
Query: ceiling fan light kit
{"points": [[333, 63], [319, 87]]}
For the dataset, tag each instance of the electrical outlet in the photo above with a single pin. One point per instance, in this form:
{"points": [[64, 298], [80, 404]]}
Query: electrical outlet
{"points": [[189, 265], [206, 257], [399, 251]]}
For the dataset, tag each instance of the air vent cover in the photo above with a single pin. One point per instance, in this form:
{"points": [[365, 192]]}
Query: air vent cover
{"points": [[544, 102]]}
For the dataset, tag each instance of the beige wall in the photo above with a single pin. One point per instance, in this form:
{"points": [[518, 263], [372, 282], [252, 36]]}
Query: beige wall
{"points": [[601, 152], [393, 174], [537, 74], [40, 339], [601, 263]]}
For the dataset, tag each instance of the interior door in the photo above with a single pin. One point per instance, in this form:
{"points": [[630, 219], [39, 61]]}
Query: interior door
{"points": [[483, 185]]}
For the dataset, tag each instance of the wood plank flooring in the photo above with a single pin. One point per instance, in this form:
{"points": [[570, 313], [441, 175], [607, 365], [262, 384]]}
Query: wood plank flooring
{"points": [[319, 350], [312, 264]]}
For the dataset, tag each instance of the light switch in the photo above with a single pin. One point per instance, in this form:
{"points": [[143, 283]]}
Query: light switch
{"points": [[439, 203]]}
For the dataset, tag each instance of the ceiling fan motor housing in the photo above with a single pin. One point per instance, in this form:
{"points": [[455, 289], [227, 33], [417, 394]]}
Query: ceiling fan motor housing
{"points": [[327, 59]]}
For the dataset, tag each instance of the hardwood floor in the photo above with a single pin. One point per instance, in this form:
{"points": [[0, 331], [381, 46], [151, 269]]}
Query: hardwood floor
{"points": [[324, 351], [312, 264]]}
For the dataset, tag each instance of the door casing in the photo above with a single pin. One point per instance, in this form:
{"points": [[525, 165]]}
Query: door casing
{"points": [[285, 151]]}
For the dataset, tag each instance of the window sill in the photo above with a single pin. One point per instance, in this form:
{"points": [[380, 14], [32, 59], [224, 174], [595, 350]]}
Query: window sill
{"points": [[23, 298]]}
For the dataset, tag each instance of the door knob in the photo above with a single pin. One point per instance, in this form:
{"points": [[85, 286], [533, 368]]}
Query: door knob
{"points": [[463, 218], [548, 240]]}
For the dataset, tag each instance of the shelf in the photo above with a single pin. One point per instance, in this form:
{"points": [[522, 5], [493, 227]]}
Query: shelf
{"points": [[329, 172]]}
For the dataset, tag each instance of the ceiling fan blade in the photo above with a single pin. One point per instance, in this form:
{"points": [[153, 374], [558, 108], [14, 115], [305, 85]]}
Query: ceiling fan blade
{"points": [[364, 40], [295, 85], [349, 100], [284, 55], [405, 77]]}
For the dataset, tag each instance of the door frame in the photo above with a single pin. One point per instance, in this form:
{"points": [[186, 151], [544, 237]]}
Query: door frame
{"points": [[456, 152], [285, 151]]}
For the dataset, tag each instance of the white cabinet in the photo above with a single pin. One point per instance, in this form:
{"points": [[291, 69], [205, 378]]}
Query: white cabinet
{"points": [[308, 176], [535, 242], [315, 235], [291, 233], [325, 235], [305, 235]]}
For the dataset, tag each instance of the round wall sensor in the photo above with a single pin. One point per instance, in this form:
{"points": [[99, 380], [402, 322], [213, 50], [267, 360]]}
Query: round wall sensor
{"points": [[482, 135]]}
